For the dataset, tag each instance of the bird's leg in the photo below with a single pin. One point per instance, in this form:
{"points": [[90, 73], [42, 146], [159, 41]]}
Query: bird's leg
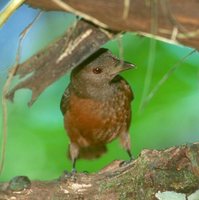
{"points": [[130, 154], [126, 144], [74, 152], [73, 166]]}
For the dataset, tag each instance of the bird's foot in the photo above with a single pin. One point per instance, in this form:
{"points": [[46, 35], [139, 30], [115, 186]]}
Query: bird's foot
{"points": [[71, 175], [74, 171], [126, 162], [67, 175]]}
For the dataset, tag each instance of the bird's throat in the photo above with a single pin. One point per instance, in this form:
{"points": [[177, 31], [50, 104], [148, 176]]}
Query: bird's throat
{"points": [[104, 91]]}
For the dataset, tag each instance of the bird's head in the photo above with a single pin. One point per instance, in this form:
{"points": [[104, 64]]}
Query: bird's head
{"points": [[99, 69]]}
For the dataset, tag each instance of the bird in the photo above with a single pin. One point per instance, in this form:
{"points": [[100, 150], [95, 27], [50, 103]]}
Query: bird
{"points": [[96, 106]]}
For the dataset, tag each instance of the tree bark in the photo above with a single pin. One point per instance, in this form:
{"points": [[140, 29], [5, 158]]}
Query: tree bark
{"points": [[44, 68], [175, 20], [152, 175]]}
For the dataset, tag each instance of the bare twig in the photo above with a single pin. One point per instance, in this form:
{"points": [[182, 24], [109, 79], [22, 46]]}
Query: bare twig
{"points": [[6, 88], [160, 38], [68, 8], [120, 47], [55, 60], [9, 9], [168, 13], [166, 76], [174, 34], [126, 9], [149, 72], [70, 46]]}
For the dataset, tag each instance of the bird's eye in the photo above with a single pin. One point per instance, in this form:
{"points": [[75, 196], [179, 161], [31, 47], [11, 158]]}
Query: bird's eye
{"points": [[97, 70]]}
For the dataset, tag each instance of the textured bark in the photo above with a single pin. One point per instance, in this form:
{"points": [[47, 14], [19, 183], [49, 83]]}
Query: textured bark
{"points": [[176, 20], [45, 67], [175, 169]]}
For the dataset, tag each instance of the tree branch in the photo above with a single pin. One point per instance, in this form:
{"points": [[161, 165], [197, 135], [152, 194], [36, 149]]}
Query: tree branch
{"points": [[175, 21], [45, 67], [148, 177]]}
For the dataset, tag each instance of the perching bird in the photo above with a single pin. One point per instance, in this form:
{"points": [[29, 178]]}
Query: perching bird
{"points": [[97, 106]]}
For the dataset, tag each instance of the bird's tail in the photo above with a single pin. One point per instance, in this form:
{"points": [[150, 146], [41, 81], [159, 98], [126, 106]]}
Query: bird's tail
{"points": [[92, 152]]}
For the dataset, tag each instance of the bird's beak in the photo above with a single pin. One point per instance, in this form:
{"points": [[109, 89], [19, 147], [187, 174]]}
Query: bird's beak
{"points": [[122, 66]]}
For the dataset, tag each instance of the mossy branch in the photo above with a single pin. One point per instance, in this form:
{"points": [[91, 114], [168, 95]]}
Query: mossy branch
{"points": [[174, 171]]}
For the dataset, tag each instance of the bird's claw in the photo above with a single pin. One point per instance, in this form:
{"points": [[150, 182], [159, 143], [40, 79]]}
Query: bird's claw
{"points": [[66, 174], [126, 162]]}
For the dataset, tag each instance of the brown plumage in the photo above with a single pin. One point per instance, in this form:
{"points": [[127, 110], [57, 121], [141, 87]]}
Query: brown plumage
{"points": [[96, 106]]}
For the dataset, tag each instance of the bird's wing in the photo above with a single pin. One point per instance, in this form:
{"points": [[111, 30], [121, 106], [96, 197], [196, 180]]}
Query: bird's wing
{"points": [[65, 101], [128, 89]]}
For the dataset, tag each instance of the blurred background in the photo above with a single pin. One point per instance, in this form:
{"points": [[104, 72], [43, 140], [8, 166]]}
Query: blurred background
{"points": [[37, 142]]}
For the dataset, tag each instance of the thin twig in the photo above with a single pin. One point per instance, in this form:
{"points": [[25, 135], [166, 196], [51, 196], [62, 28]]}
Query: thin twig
{"points": [[149, 72], [167, 11], [70, 44], [166, 76], [6, 88], [9, 9], [126, 9], [121, 48], [68, 8], [160, 38], [174, 34]]}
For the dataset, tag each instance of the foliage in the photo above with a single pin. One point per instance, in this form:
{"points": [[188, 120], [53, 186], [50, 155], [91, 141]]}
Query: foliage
{"points": [[37, 142]]}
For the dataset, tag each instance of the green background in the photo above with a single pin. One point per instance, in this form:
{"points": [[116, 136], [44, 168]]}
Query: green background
{"points": [[37, 142]]}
